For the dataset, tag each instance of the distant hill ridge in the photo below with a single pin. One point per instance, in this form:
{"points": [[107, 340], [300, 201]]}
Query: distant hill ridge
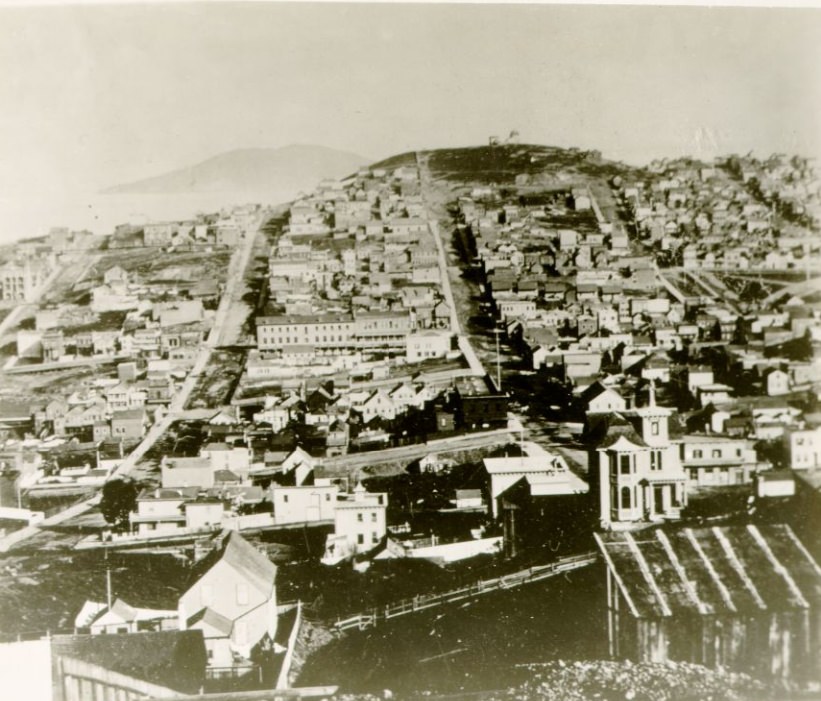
{"points": [[255, 170]]}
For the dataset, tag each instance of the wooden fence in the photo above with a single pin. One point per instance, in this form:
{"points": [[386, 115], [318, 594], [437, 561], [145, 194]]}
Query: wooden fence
{"points": [[375, 615]]}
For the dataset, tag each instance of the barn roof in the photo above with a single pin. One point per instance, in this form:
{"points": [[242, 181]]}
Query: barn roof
{"points": [[720, 570]]}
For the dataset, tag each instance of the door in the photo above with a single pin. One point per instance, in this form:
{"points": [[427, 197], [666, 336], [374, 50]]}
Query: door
{"points": [[658, 499]]}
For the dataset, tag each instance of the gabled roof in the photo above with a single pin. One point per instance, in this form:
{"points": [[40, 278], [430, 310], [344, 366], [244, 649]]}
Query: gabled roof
{"points": [[606, 430], [208, 618], [254, 567], [594, 390]]}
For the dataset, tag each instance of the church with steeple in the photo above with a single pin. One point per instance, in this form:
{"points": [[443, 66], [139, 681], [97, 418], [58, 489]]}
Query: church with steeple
{"points": [[635, 470]]}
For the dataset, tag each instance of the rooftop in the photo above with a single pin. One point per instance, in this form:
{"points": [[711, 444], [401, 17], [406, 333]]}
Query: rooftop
{"points": [[720, 570]]}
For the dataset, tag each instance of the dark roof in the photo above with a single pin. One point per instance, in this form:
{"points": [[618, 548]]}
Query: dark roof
{"points": [[592, 391], [603, 430], [736, 570], [174, 659]]}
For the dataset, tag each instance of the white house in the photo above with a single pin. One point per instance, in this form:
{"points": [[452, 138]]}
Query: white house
{"points": [[637, 469], [232, 601], [160, 510], [711, 460], [424, 345], [304, 504], [359, 525], [236, 458], [776, 381], [547, 474], [803, 448]]}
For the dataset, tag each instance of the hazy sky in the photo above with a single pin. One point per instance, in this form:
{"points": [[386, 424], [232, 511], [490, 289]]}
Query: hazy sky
{"points": [[94, 96]]}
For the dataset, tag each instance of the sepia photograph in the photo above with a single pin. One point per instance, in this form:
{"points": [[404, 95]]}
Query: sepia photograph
{"points": [[437, 351]]}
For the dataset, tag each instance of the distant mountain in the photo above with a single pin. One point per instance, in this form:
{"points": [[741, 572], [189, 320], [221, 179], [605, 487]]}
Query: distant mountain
{"points": [[253, 170]]}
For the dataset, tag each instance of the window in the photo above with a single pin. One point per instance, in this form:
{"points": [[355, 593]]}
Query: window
{"points": [[738, 452], [717, 453], [698, 454], [285, 498], [655, 459], [624, 464], [327, 497], [654, 427], [360, 538], [359, 518], [242, 594], [625, 498], [374, 538], [373, 517]]}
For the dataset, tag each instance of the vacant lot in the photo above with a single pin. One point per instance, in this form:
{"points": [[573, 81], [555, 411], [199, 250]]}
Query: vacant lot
{"points": [[218, 380]]}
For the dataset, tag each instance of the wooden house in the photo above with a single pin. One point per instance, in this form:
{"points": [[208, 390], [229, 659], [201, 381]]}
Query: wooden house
{"points": [[232, 600], [742, 598]]}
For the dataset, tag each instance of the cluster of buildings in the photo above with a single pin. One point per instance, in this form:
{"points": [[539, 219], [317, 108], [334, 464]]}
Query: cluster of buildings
{"points": [[212, 491], [597, 317], [226, 228], [228, 615], [125, 318], [665, 394], [355, 273], [29, 264], [733, 214]]}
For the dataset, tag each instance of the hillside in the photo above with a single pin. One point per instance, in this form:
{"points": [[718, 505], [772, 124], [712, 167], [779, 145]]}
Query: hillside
{"points": [[502, 164], [254, 170]]}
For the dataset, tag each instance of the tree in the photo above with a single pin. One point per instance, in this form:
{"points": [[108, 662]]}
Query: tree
{"points": [[118, 500], [715, 331], [740, 332]]}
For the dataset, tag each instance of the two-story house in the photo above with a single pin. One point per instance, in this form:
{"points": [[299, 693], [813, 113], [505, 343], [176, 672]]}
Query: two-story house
{"points": [[232, 600]]}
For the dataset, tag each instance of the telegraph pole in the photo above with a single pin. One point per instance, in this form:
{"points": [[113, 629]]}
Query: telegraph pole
{"points": [[496, 333]]}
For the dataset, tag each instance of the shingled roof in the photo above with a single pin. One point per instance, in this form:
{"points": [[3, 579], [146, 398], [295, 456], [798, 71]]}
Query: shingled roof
{"points": [[722, 570]]}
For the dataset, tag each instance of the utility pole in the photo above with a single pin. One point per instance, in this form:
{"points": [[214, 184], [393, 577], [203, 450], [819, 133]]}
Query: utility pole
{"points": [[496, 332], [108, 586]]}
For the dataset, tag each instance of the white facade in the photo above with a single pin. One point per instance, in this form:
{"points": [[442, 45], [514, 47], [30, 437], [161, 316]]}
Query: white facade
{"points": [[639, 472], [717, 461], [803, 448], [427, 344], [304, 504], [360, 524]]}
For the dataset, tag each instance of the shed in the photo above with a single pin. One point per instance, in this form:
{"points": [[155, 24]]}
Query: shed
{"points": [[742, 598]]}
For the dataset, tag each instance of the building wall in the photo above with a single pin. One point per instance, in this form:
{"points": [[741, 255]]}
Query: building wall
{"points": [[203, 515], [803, 448], [326, 334], [300, 504], [638, 483], [187, 477], [766, 644], [362, 524], [225, 591], [426, 345]]}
